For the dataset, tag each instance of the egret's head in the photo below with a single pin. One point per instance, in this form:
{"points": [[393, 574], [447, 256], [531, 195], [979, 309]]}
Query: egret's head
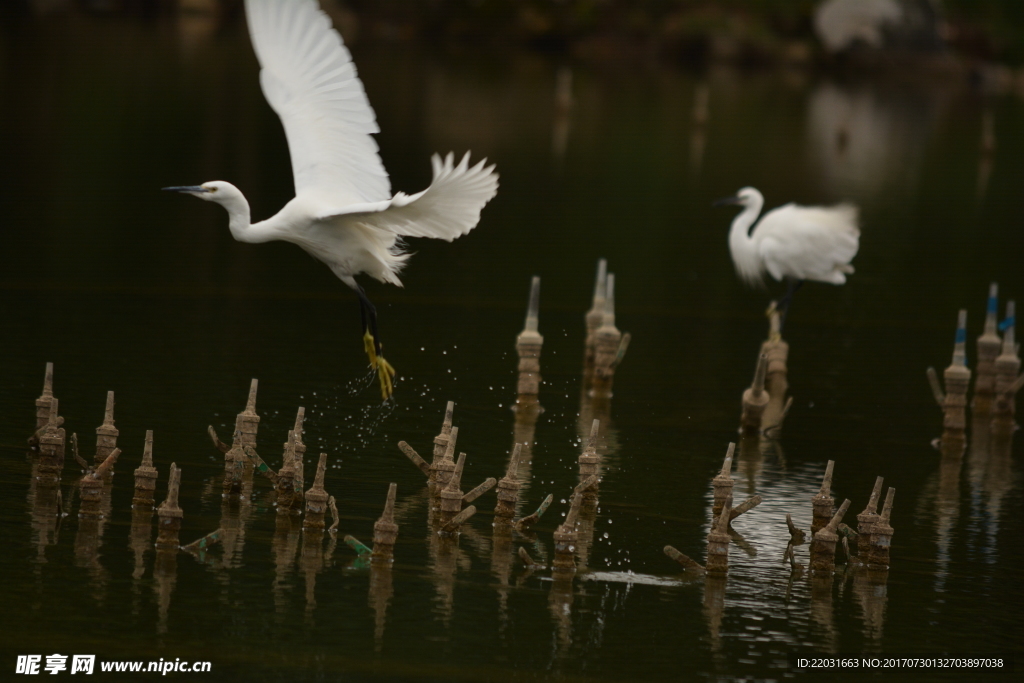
{"points": [[747, 196], [213, 191]]}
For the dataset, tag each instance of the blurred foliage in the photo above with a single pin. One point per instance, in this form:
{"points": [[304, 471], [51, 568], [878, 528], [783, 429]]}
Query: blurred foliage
{"points": [[757, 29]]}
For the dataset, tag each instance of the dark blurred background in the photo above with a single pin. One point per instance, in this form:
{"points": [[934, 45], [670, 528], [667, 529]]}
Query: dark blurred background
{"points": [[980, 38]]}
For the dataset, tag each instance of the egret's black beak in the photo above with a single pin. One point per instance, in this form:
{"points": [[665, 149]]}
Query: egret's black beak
{"points": [[724, 201], [187, 188]]}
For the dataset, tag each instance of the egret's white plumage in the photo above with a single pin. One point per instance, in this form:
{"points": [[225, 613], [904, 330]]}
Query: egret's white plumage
{"points": [[793, 241], [343, 212]]}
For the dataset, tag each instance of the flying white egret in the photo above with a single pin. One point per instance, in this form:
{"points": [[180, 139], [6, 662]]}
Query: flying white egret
{"points": [[792, 242], [343, 212]]}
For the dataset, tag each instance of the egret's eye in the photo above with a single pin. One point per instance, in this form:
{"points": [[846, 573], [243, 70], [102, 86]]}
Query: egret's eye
{"points": [[211, 189]]}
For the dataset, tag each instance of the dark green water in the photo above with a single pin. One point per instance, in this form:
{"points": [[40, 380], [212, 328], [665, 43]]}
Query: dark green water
{"points": [[129, 289]]}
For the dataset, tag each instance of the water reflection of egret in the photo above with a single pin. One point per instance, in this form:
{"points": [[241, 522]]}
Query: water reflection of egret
{"points": [[343, 212]]}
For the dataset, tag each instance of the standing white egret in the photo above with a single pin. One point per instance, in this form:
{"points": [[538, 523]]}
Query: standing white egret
{"points": [[792, 242], [343, 212]]}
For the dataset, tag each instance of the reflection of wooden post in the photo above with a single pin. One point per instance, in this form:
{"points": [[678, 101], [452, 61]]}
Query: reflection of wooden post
{"points": [[169, 514], [989, 346], [1007, 366], [43, 402], [823, 503], [823, 545], [145, 476], [528, 346], [106, 434]]}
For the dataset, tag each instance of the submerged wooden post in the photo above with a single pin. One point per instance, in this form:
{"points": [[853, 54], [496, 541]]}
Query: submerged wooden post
{"points": [[508, 490], [957, 378], [593, 320], [444, 468], [44, 400], [451, 495], [51, 448], [755, 399], [823, 503], [106, 433], [235, 461], [565, 537], [989, 346], [169, 513], [90, 487], [285, 486], [723, 484], [385, 530], [145, 476], [316, 498], [1007, 365], [609, 345], [528, 346], [880, 538], [441, 446], [867, 520], [718, 542], [823, 545]]}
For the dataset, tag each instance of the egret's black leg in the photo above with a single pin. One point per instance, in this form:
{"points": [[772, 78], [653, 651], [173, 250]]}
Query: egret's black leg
{"points": [[792, 284], [372, 345]]}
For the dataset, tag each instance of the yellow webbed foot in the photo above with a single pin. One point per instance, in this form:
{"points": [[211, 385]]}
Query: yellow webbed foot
{"points": [[385, 372]]}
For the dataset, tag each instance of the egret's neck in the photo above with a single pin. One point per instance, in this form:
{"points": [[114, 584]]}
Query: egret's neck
{"points": [[238, 217], [740, 242], [743, 247]]}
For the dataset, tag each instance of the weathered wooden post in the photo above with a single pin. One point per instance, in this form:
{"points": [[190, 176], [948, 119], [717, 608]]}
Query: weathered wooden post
{"points": [[823, 503], [145, 476], [755, 399], [609, 345], [989, 346], [823, 545], [45, 399], [723, 484], [90, 487], [106, 434], [528, 347], [385, 530], [316, 498], [1007, 366], [51, 448], [880, 539], [170, 514], [593, 320]]}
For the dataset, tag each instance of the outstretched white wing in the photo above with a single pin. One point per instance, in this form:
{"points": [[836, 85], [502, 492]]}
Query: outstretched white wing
{"points": [[449, 208], [310, 81]]}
